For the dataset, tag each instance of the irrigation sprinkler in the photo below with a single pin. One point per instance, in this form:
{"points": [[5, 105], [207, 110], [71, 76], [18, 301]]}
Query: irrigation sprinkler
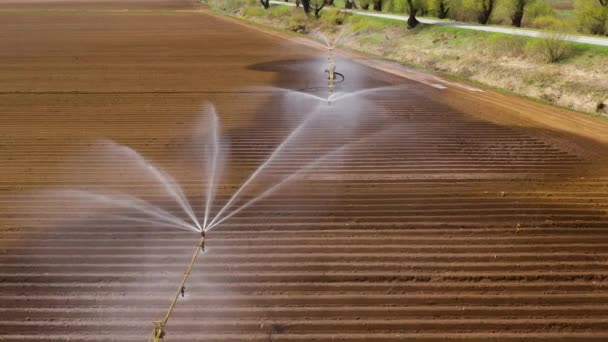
{"points": [[158, 332], [331, 70]]}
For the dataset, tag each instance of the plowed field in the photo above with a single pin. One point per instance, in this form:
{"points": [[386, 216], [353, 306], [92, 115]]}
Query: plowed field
{"points": [[439, 222]]}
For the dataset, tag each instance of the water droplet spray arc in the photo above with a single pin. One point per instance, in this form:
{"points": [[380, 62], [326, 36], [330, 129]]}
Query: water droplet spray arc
{"points": [[136, 209], [330, 45]]}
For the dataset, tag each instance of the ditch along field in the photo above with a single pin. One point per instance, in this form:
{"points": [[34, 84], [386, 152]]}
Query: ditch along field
{"points": [[446, 219]]}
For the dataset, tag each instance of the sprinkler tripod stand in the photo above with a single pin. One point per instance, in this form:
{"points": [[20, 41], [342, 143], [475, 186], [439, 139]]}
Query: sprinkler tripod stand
{"points": [[159, 326]]}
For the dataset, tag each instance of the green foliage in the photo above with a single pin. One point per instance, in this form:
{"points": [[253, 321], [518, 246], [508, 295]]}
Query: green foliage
{"points": [[395, 6], [423, 6], [464, 10], [331, 16], [279, 11], [434, 6], [373, 39], [298, 19], [500, 45], [550, 49], [363, 3], [548, 22], [592, 17], [361, 24], [256, 11], [537, 9]]}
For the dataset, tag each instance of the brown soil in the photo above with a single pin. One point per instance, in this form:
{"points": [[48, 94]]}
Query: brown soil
{"points": [[101, 4], [463, 220]]}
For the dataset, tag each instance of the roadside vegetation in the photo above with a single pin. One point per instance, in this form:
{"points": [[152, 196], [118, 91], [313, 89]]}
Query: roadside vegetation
{"points": [[567, 74]]}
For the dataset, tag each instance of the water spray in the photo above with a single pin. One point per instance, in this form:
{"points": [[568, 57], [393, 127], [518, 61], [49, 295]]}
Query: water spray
{"points": [[331, 70]]}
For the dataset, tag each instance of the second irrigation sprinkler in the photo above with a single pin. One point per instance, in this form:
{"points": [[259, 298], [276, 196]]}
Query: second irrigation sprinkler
{"points": [[331, 70], [158, 333]]}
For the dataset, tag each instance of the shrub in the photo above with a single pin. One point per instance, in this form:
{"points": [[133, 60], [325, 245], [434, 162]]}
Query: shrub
{"points": [[254, 12], [395, 6], [504, 45], [463, 10], [550, 49], [365, 4], [548, 23], [331, 17], [539, 9], [373, 39], [592, 17], [279, 11], [361, 24], [298, 19]]}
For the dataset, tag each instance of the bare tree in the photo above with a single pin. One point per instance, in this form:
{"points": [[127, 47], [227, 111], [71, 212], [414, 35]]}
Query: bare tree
{"points": [[265, 3], [484, 10], [316, 6], [516, 11], [411, 20]]}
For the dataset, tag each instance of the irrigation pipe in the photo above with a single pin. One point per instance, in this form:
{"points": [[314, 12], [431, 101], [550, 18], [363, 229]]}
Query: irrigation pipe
{"points": [[159, 326]]}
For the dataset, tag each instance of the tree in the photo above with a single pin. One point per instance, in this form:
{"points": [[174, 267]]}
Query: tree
{"points": [[441, 9], [484, 10], [411, 20], [329, 2], [306, 6], [422, 6], [265, 3], [592, 16], [316, 6], [350, 4], [516, 11], [377, 5]]}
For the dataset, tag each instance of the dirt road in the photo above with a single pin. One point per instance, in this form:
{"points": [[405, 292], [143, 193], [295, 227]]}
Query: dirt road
{"points": [[446, 219]]}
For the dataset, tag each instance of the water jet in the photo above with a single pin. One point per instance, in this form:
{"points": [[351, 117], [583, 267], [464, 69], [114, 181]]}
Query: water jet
{"points": [[327, 131]]}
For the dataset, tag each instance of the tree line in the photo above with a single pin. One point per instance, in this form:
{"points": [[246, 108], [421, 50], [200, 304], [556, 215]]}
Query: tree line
{"points": [[591, 15]]}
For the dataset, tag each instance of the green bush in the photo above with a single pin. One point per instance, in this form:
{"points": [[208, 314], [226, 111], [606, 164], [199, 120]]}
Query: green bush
{"points": [[395, 6], [362, 24], [463, 10], [592, 17], [373, 39], [550, 49], [538, 9], [256, 11], [505, 45], [364, 3], [298, 19], [548, 22], [329, 17], [279, 11]]}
